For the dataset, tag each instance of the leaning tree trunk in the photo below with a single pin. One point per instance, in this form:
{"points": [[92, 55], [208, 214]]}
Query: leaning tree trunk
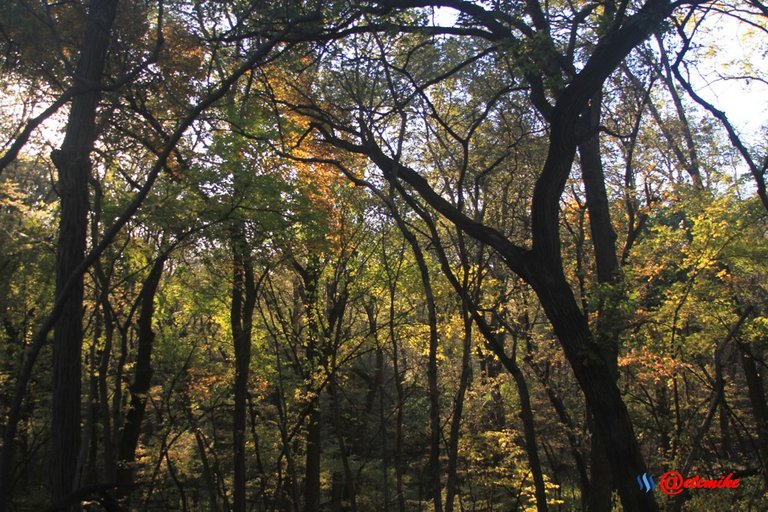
{"points": [[129, 438], [73, 165], [593, 372]]}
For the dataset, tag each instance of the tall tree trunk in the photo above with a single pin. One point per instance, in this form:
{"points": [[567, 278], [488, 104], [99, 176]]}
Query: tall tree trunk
{"points": [[312, 470], [595, 378], [104, 360], [609, 323], [495, 343], [73, 165], [310, 278], [208, 472], [129, 438], [542, 268], [344, 494], [91, 430], [541, 265], [241, 316]]}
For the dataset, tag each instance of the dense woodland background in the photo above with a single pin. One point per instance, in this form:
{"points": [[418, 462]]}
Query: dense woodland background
{"points": [[382, 256]]}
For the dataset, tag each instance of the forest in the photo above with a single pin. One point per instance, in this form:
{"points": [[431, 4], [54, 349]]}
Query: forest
{"points": [[405, 255]]}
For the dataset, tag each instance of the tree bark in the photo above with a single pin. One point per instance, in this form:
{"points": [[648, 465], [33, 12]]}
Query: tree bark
{"points": [[541, 265], [595, 378], [73, 166], [607, 266], [241, 316], [310, 277], [397, 450], [756, 392], [129, 438]]}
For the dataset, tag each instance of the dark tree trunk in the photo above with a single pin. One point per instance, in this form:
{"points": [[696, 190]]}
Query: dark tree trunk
{"points": [[397, 454], [344, 496], [129, 438], [103, 386], [73, 165], [208, 473], [593, 177], [541, 265], [495, 343], [91, 430], [595, 378], [312, 470], [241, 316], [609, 322], [310, 278], [756, 392], [542, 268]]}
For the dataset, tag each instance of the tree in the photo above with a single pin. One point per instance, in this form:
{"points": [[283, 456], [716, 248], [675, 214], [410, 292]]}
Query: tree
{"points": [[72, 162], [541, 265], [379, 255]]}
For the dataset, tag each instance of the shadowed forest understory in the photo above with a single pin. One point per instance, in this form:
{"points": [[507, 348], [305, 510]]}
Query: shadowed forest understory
{"points": [[405, 255]]}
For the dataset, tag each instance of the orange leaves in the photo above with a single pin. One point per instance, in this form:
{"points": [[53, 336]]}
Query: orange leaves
{"points": [[650, 366], [317, 178]]}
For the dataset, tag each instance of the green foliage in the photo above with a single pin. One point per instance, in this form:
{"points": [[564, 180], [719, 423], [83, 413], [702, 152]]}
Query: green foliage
{"points": [[341, 333]]}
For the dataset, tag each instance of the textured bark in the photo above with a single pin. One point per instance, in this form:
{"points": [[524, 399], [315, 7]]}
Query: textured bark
{"points": [[593, 177], [595, 378], [607, 266], [73, 165]]}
